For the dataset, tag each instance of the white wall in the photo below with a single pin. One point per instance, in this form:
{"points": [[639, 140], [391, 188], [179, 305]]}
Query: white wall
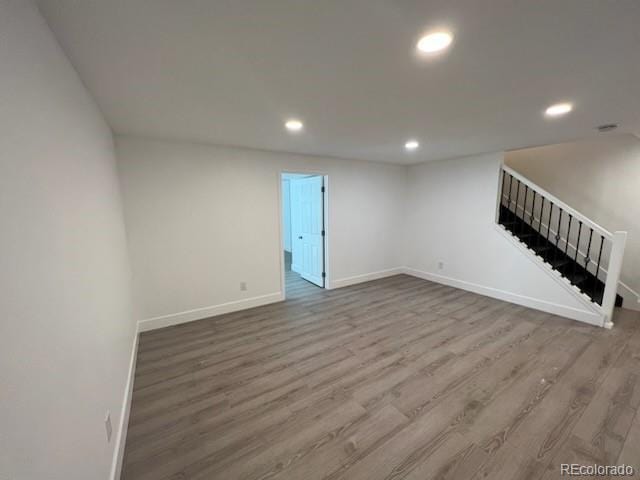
{"points": [[66, 327], [286, 214], [451, 210], [201, 219], [601, 179]]}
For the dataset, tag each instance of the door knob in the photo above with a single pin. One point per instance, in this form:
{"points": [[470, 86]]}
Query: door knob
{"points": [[300, 237]]}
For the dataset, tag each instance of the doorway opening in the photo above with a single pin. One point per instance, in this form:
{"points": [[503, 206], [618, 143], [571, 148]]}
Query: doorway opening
{"points": [[303, 233]]}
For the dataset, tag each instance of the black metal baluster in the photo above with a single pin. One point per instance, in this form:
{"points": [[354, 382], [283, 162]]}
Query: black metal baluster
{"points": [[517, 200], [524, 205], [541, 212], [510, 187], [533, 210], [549, 221], [587, 258], [566, 243], [595, 280], [532, 219], [524, 210], [557, 249], [575, 259], [540, 238], [523, 226]]}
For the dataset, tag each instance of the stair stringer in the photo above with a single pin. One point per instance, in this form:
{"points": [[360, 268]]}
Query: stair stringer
{"points": [[588, 311]]}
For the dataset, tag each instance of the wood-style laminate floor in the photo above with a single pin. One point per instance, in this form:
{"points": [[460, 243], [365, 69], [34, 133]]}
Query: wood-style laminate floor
{"points": [[295, 285], [396, 378]]}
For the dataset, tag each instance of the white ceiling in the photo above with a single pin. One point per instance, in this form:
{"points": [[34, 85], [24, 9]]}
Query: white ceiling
{"points": [[230, 72]]}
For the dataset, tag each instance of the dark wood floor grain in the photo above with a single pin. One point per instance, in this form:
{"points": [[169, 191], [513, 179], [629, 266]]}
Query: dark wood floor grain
{"points": [[396, 378]]}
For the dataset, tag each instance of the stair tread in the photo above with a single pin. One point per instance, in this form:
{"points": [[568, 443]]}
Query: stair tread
{"points": [[561, 262], [528, 235], [541, 248], [578, 278]]}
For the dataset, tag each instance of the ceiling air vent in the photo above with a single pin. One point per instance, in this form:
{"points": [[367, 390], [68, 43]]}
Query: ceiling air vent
{"points": [[607, 127]]}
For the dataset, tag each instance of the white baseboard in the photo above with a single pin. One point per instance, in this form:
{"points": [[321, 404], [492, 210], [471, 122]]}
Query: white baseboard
{"points": [[206, 312], [121, 438], [630, 298], [537, 304], [367, 277]]}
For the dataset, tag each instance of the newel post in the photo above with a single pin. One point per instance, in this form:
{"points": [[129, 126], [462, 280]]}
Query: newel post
{"points": [[613, 276]]}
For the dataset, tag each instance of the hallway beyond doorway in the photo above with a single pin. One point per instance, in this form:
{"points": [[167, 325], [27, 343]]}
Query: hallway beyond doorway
{"points": [[295, 285]]}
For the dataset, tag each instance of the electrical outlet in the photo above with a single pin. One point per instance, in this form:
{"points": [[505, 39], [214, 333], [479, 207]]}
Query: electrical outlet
{"points": [[243, 286], [107, 426], [440, 265]]}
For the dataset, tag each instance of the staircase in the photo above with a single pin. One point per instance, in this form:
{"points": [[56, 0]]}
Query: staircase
{"points": [[564, 239]]}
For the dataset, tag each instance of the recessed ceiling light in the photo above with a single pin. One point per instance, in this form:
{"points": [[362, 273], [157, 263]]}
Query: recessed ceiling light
{"points": [[294, 125], [434, 42], [558, 109], [411, 145]]}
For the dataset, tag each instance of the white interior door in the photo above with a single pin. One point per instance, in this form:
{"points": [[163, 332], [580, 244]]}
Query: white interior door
{"points": [[296, 225], [307, 228]]}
